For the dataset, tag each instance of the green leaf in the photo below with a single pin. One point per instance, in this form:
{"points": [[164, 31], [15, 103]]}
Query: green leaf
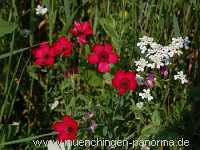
{"points": [[6, 27]]}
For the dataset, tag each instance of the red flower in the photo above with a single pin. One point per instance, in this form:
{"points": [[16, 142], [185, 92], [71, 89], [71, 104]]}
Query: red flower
{"points": [[63, 46], [81, 30], [124, 81], [44, 55], [103, 55], [66, 129]]}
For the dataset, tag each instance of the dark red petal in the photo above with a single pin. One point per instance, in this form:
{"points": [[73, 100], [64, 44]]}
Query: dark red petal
{"points": [[93, 58], [103, 67]]}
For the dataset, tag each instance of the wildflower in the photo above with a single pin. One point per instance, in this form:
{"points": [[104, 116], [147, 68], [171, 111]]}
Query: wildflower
{"points": [[63, 47], [141, 64], [140, 105], [81, 30], [150, 81], [41, 10], [66, 129], [177, 43], [92, 127], [44, 55], [146, 94], [53, 105], [124, 81], [164, 71], [103, 55], [180, 76]]}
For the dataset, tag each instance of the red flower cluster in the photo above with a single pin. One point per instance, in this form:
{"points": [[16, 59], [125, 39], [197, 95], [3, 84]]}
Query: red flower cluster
{"points": [[103, 55], [63, 47], [81, 30], [66, 129], [45, 55], [124, 81]]}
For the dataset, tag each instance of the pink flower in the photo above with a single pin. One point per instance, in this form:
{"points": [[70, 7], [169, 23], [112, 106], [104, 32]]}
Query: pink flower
{"points": [[103, 55]]}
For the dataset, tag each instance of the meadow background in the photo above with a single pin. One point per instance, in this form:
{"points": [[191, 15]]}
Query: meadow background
{"points": [[26, 91]]}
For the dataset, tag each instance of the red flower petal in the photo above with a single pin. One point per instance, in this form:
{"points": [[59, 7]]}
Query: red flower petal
{"points": [[77, 26], [98, 48], [113, 58], [93, 58], [69, 121], [103, 67], [59, 126], [82, 39], [108, 48], [86, 28]]}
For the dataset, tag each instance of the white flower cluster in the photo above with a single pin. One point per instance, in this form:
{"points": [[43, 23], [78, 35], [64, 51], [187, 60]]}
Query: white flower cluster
{"points": [[41, 10], [180, 76], [146, 94], [158, 54]]}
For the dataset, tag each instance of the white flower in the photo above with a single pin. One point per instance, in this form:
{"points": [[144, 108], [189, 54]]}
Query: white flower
{"points": [[55, 145], [41, 10], [53, 105], [178, 42], [141, 64], [180, 76], [146, 94], [140, 105]]}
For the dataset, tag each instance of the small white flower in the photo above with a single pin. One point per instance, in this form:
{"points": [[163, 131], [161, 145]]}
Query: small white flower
{"points": [[55, 145], [178, 42], [141, 64], [140, 105], [41, 10], [180, 76], [53, 105], [146, 94]]}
